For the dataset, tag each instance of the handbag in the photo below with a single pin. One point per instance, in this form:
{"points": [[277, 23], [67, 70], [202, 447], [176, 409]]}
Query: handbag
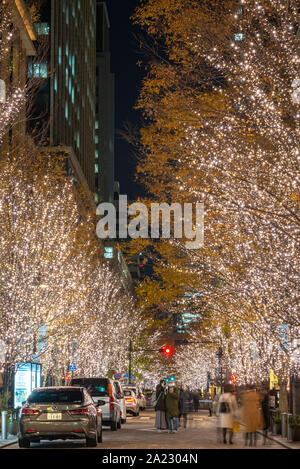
{"points": [[236, 427]]}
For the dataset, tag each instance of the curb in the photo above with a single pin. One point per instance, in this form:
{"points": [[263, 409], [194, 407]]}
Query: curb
{"points": [[12, 442], [285, 445]]}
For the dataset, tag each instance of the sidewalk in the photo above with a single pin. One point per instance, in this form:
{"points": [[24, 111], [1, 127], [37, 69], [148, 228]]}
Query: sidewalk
{"points": [[283, 441], [11, 439]]}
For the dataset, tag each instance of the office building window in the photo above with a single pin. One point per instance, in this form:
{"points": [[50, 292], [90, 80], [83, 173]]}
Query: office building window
{"points": [[238, 37], [42, 29], [37, 70], [96, 168]]}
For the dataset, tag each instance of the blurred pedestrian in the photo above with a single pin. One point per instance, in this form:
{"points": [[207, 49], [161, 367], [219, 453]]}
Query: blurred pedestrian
{"points": [[266, 414], [226, 409], [172, 408], [186, 405], [160, 407], [196, 398], [251, 415]]}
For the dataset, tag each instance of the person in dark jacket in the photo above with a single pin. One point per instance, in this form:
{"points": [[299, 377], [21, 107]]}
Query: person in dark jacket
{"points": [[172, 408], [266, 415], [160, 408], [186, 405], [196, 399]]}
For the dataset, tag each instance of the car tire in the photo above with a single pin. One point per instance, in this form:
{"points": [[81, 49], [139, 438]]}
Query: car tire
{"points": [[23, 443], [92, 442], [119, 424], [123, 421], [113, 426], [100, 439]]}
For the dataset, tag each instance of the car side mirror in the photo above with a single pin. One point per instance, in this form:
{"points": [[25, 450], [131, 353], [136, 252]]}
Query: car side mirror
{"points": [[100, 403]]}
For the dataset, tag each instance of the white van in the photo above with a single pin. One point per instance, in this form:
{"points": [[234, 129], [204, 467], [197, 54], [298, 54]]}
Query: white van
{"points": [[103, 390]]}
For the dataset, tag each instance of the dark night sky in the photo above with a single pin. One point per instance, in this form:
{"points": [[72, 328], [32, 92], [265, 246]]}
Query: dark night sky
{"points": [[128, 76]]}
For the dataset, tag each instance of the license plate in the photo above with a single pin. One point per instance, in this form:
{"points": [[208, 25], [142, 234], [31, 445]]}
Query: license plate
{"points": [[53, 416]]}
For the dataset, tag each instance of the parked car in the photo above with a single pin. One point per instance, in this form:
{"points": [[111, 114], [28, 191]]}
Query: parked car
{"points": [[148, 395], [53, 413], [121, 400], [132, 402], [105, 390], [139, 394]]}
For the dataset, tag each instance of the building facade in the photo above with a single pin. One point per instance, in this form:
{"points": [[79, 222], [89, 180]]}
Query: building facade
{"points": [[105, 110], [64, 110]]}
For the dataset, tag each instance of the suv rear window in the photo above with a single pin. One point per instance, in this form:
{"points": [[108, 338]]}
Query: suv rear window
{"points": [[95, 386], [128, 393], [51, 396]]}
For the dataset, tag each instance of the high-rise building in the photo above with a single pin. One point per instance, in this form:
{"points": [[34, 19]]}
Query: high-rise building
{"points": [[66, 99], [105, 110]]}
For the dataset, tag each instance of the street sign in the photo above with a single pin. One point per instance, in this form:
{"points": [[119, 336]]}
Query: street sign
{"points": [[72, 367]]}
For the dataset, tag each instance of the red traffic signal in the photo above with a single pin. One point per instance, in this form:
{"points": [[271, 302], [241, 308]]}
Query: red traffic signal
{"points": [[167, 350], [233, 379]]}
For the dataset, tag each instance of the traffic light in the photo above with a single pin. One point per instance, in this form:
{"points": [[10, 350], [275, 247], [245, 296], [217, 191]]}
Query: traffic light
{"points": [[166, 350]]}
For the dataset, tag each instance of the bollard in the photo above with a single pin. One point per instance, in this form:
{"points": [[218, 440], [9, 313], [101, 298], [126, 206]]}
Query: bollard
{"points": [[284, 424], [4, 425], [289, 430]]}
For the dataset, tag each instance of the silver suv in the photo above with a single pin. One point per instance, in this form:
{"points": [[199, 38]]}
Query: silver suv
{"points": [[103, 390], [53, 413]]}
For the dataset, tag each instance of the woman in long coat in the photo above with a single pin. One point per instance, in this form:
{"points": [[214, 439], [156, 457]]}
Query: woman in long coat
{"points": [[252, 415], [226, 409], [160, 408]]}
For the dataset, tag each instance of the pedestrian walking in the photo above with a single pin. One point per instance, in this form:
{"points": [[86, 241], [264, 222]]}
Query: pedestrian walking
{"points": [[251, 415], [266, 415], [196, 398], [160, 407], [186, 405], [172, 408], [226, 409]]}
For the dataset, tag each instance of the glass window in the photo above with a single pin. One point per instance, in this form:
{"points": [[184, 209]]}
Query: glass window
{"points": [[49, 396], [95, 386], [96, 168], [238, 37], [42, 29]]}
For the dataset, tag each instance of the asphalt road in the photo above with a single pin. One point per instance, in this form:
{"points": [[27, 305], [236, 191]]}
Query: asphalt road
{"points": [[139, 433]]}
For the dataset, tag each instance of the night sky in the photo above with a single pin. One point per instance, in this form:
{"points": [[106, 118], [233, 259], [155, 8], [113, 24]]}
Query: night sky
{"points": [[128, 76]]}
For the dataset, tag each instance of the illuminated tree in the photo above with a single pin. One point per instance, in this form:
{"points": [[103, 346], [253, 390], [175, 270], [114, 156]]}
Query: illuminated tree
{"points": [[222, 127]]}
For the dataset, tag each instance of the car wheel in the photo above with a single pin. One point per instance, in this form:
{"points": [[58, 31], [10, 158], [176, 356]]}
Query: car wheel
{"points": [[123, 421], [100, 436], [119, 424], [24, 443], [91, 442], [113, 426], [138, 413]]}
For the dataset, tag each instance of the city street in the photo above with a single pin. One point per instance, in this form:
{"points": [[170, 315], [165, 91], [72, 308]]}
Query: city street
{"points": [[139, 433]]}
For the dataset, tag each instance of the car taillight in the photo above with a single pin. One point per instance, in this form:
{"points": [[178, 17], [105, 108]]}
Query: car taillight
{"points": [[79, 411], [30, 411], [111, 400], [129, 399]]}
